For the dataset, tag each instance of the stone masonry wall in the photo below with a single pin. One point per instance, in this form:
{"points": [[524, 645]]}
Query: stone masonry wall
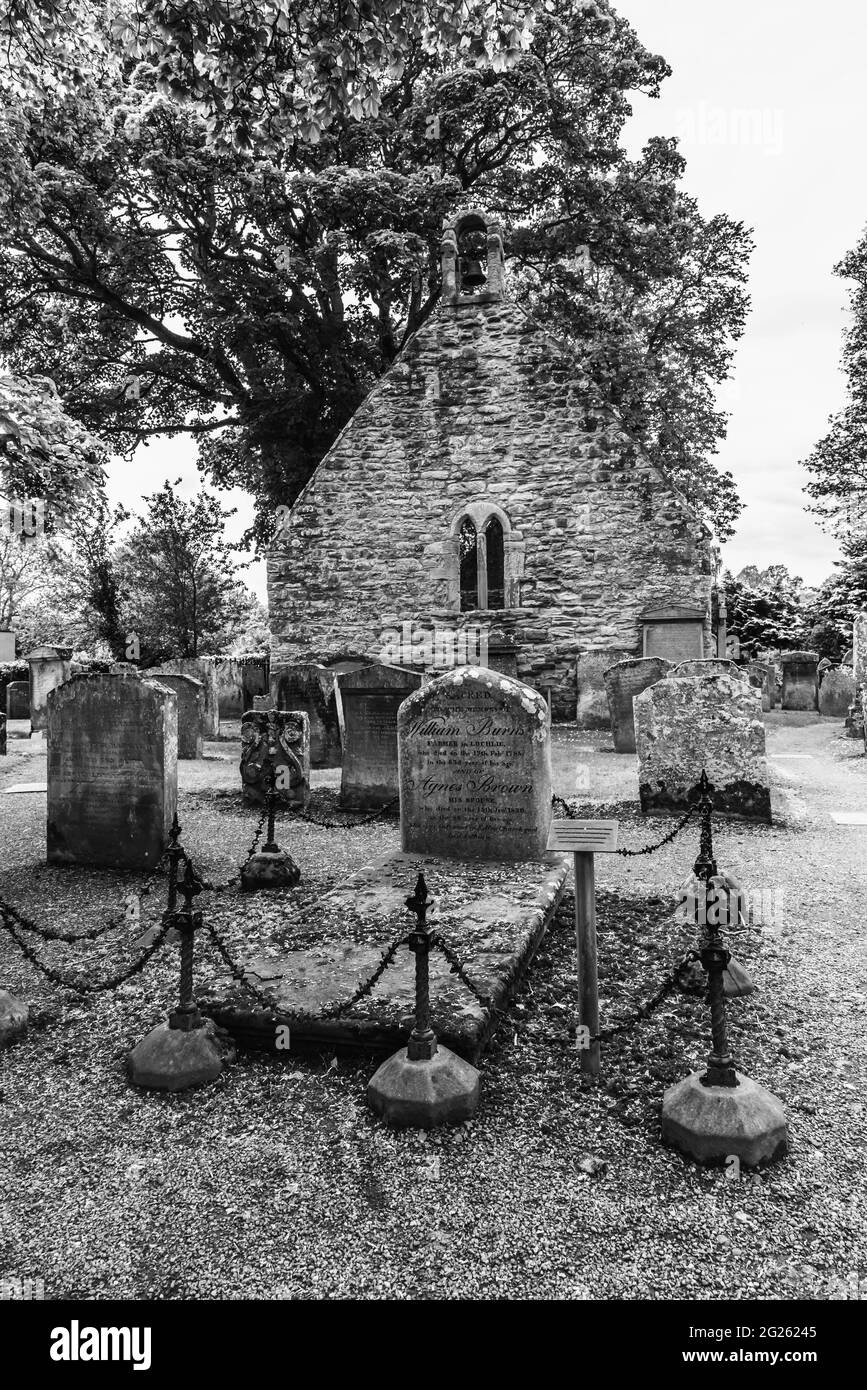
{"points": [[482, 407]]}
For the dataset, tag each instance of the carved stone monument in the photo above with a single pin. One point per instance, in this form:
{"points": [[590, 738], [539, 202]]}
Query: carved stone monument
{"points": [[371, 697], [475, 768], [762, 676], [112, 771], [287, 732], [592, 709]]}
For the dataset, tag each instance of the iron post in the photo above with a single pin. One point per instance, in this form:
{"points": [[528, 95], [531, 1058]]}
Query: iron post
{"points": [[714, 955], [422, 1042]]}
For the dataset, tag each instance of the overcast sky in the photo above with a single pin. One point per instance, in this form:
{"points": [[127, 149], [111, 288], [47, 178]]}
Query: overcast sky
{"points": [[769, 100]]}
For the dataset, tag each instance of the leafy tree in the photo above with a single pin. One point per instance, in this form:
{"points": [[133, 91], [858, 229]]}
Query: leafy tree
{"points": [[252, 298], [838, 463], [273, 70], [183, 592], [764, 610]]}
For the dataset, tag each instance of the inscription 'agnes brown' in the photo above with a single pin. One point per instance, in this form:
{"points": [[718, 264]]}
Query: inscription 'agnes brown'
{"points": [[430, 786]]}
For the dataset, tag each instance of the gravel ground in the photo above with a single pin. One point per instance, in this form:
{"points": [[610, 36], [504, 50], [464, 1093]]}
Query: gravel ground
{"points": [[277, 1182]]}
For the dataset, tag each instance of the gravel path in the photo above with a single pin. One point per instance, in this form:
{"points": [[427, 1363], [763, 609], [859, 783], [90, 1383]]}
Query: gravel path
{"points": [[277, 1182]]}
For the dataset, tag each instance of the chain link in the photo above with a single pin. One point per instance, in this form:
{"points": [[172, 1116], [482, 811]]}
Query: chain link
{"points": [[93, 934], [78, 985], [334, 1010], [572, 814], [381, 814]]}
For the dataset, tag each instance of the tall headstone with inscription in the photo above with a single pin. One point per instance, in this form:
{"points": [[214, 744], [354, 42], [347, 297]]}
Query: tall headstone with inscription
{"points": [[285, 736], [475, 768], [191, 710], [310, 687], [112, 771], [623, 681], [800, 681], [371, 697], [49, 667]]}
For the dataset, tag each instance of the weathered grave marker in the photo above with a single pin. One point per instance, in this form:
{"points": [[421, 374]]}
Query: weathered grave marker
{"points": [[592, 709], [623, 681], [583, 839], [475, 767], [201, 668], [800, 685], [310, 687], [112, 771], [288, 732], [49, 668], [837, 692], [371, 697], [191, 708], [686, 724]]}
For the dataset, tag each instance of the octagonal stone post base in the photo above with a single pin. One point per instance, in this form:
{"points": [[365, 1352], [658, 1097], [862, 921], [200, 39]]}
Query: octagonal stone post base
{"points": [[172, 1059], [712, 1123], [440, 1090], [270, 869], [13, 1017]]}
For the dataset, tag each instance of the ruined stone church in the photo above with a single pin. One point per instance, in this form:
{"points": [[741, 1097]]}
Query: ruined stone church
{"points": [[480, 490]]}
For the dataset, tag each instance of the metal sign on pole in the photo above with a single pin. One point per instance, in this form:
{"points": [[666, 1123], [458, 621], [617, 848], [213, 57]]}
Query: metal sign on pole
{"points": [[582, 839]]}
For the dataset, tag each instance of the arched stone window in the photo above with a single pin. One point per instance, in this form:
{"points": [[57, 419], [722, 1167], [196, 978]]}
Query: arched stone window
{"points": [[484, 560], [469, 549]]}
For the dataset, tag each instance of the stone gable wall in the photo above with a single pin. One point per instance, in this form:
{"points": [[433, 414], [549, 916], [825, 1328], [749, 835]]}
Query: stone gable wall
{"points": [[481, 406]]}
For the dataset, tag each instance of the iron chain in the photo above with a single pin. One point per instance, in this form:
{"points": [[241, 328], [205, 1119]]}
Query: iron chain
{"points": [[77, 985], [572, 814]]}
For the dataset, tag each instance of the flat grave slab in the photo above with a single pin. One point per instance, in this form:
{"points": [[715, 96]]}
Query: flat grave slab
{"points": [[849, 817], [25, 787], [492, 913]]}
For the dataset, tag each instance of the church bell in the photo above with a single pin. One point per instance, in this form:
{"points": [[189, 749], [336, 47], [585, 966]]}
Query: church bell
{"points": [[472, 273]]}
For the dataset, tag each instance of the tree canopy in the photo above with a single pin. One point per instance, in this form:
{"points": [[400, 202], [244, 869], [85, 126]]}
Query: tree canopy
{"points": [[251, 293]]}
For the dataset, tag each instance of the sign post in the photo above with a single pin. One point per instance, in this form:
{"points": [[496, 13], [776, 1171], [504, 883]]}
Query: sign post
{"points": [[582, 839]]}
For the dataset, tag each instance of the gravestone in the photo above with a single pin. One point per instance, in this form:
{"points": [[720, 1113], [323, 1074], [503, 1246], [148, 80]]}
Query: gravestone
{"points": [[762, 676], [859, 649], [686, 724], [191, 700], [7, 645], [49, 668], [291, 732], [676, 633], [475, 768], [112, 771], [623, 681], [837, 692], [310, 687], [592, 710], [201, 668], [710, 666], [2, 735], [262, 703], [370, 697], [18, 700], [800, 687]]}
